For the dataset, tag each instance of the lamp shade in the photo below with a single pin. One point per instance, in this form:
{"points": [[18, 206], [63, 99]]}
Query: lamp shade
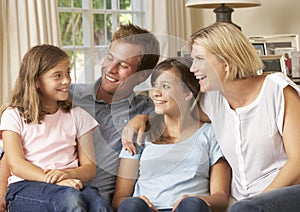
{"points": [[217, 3]]}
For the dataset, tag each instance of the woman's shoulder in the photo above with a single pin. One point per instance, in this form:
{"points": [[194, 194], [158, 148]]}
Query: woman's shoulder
{"points": [[280, 81]]}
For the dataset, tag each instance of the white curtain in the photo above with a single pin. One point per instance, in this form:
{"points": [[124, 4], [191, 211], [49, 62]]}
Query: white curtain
{"points": [[25, 23], [170, 21]]}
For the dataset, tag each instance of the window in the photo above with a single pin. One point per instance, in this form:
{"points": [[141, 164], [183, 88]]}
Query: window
{"points": [[86, 30]]}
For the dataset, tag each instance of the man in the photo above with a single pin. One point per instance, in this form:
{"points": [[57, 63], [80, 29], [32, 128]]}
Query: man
{"points": [[131, 57]]}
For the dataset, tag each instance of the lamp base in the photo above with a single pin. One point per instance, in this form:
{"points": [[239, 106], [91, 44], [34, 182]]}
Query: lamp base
{"points": [[223, 14]]}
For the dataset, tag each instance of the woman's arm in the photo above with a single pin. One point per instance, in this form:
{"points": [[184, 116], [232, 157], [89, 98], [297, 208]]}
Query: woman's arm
{"points": [[290, 174], [127, 176]]}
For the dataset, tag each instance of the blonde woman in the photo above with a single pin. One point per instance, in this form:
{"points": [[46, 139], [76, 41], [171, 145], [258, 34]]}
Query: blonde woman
{"points": [[256, 119]]}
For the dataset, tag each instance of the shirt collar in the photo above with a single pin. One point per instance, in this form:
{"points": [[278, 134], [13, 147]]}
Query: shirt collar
{"points": [[94, 90]]}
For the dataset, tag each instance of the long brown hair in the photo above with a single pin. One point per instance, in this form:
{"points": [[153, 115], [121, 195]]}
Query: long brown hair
{"points": [[181, 68], [25, 95]]}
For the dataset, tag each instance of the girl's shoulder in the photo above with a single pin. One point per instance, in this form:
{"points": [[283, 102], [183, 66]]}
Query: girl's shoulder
{"points": [[11, 111], [205, 133], [206, 127], [82, 117], [78, 111]]}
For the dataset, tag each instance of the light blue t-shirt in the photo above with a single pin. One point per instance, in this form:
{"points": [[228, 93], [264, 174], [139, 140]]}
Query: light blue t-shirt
{"points": [[168, 171]]}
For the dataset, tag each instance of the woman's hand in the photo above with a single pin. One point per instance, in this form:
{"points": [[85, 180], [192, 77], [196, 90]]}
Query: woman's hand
{"points": [[135, 127]]}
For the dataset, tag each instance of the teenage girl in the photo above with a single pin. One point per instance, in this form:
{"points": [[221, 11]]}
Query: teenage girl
{"points": [[181, 167]]}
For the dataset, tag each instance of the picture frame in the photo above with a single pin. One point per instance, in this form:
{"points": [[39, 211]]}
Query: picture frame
{"points": [[273, 63], [260, 48], [295, 65], [272, 42], [287, 56]]}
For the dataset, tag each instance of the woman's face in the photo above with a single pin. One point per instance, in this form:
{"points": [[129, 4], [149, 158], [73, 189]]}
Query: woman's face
{"points": [[208, 69], [168, 93]]}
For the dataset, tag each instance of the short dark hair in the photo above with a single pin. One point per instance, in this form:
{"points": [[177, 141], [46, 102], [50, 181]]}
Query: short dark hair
{"points": [[134, 34]]}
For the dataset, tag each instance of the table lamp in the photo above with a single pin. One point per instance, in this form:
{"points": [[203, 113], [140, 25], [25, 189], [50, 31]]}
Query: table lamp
{"points": [[223, 8]]}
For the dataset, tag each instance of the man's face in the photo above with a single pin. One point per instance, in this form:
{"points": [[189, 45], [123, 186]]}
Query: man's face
{"points": [[118, 68]]}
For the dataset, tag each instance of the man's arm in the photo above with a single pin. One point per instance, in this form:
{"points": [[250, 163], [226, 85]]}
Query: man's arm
{"points": [[135, 126], [138, 125]]}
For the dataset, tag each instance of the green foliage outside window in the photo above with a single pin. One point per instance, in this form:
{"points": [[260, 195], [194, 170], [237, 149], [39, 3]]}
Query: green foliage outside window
{"points": [[105, 18]]}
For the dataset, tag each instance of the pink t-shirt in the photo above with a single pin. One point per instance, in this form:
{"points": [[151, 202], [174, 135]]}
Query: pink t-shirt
{"points": [[53, 143]]}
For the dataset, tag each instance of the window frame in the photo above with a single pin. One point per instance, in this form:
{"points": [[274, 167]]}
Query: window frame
{"points": [[90, 69]]}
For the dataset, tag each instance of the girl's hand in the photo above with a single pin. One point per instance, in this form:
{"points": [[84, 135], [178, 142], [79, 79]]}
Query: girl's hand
{"points": [[148, 203], [56, 175], [74, 183]]}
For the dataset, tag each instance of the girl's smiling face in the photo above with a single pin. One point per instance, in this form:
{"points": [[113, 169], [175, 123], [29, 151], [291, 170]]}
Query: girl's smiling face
{"points": [[208, 69], [168, 93], [54, 83]]}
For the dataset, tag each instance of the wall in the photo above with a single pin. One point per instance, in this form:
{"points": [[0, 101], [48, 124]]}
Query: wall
{"points": [[272, 17]]}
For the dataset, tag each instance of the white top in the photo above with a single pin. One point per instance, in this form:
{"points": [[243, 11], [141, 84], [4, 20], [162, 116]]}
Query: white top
{"points": [[53, 143], [168, 171], [250, 137]]}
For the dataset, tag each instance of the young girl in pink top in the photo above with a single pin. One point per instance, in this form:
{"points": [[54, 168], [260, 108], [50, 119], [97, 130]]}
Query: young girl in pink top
{"points": [[48, 144]]}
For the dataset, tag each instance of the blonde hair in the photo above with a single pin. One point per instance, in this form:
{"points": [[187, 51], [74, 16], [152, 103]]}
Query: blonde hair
{"points": [[25, 95], [230, 45]]}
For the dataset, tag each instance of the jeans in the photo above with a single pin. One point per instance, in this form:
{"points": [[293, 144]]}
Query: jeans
{"points": [[40, 196], [279, 200], [136, 204]]}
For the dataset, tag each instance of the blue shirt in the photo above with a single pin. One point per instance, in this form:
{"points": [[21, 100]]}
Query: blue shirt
{"points": [[107, 138], [168, 171]]}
